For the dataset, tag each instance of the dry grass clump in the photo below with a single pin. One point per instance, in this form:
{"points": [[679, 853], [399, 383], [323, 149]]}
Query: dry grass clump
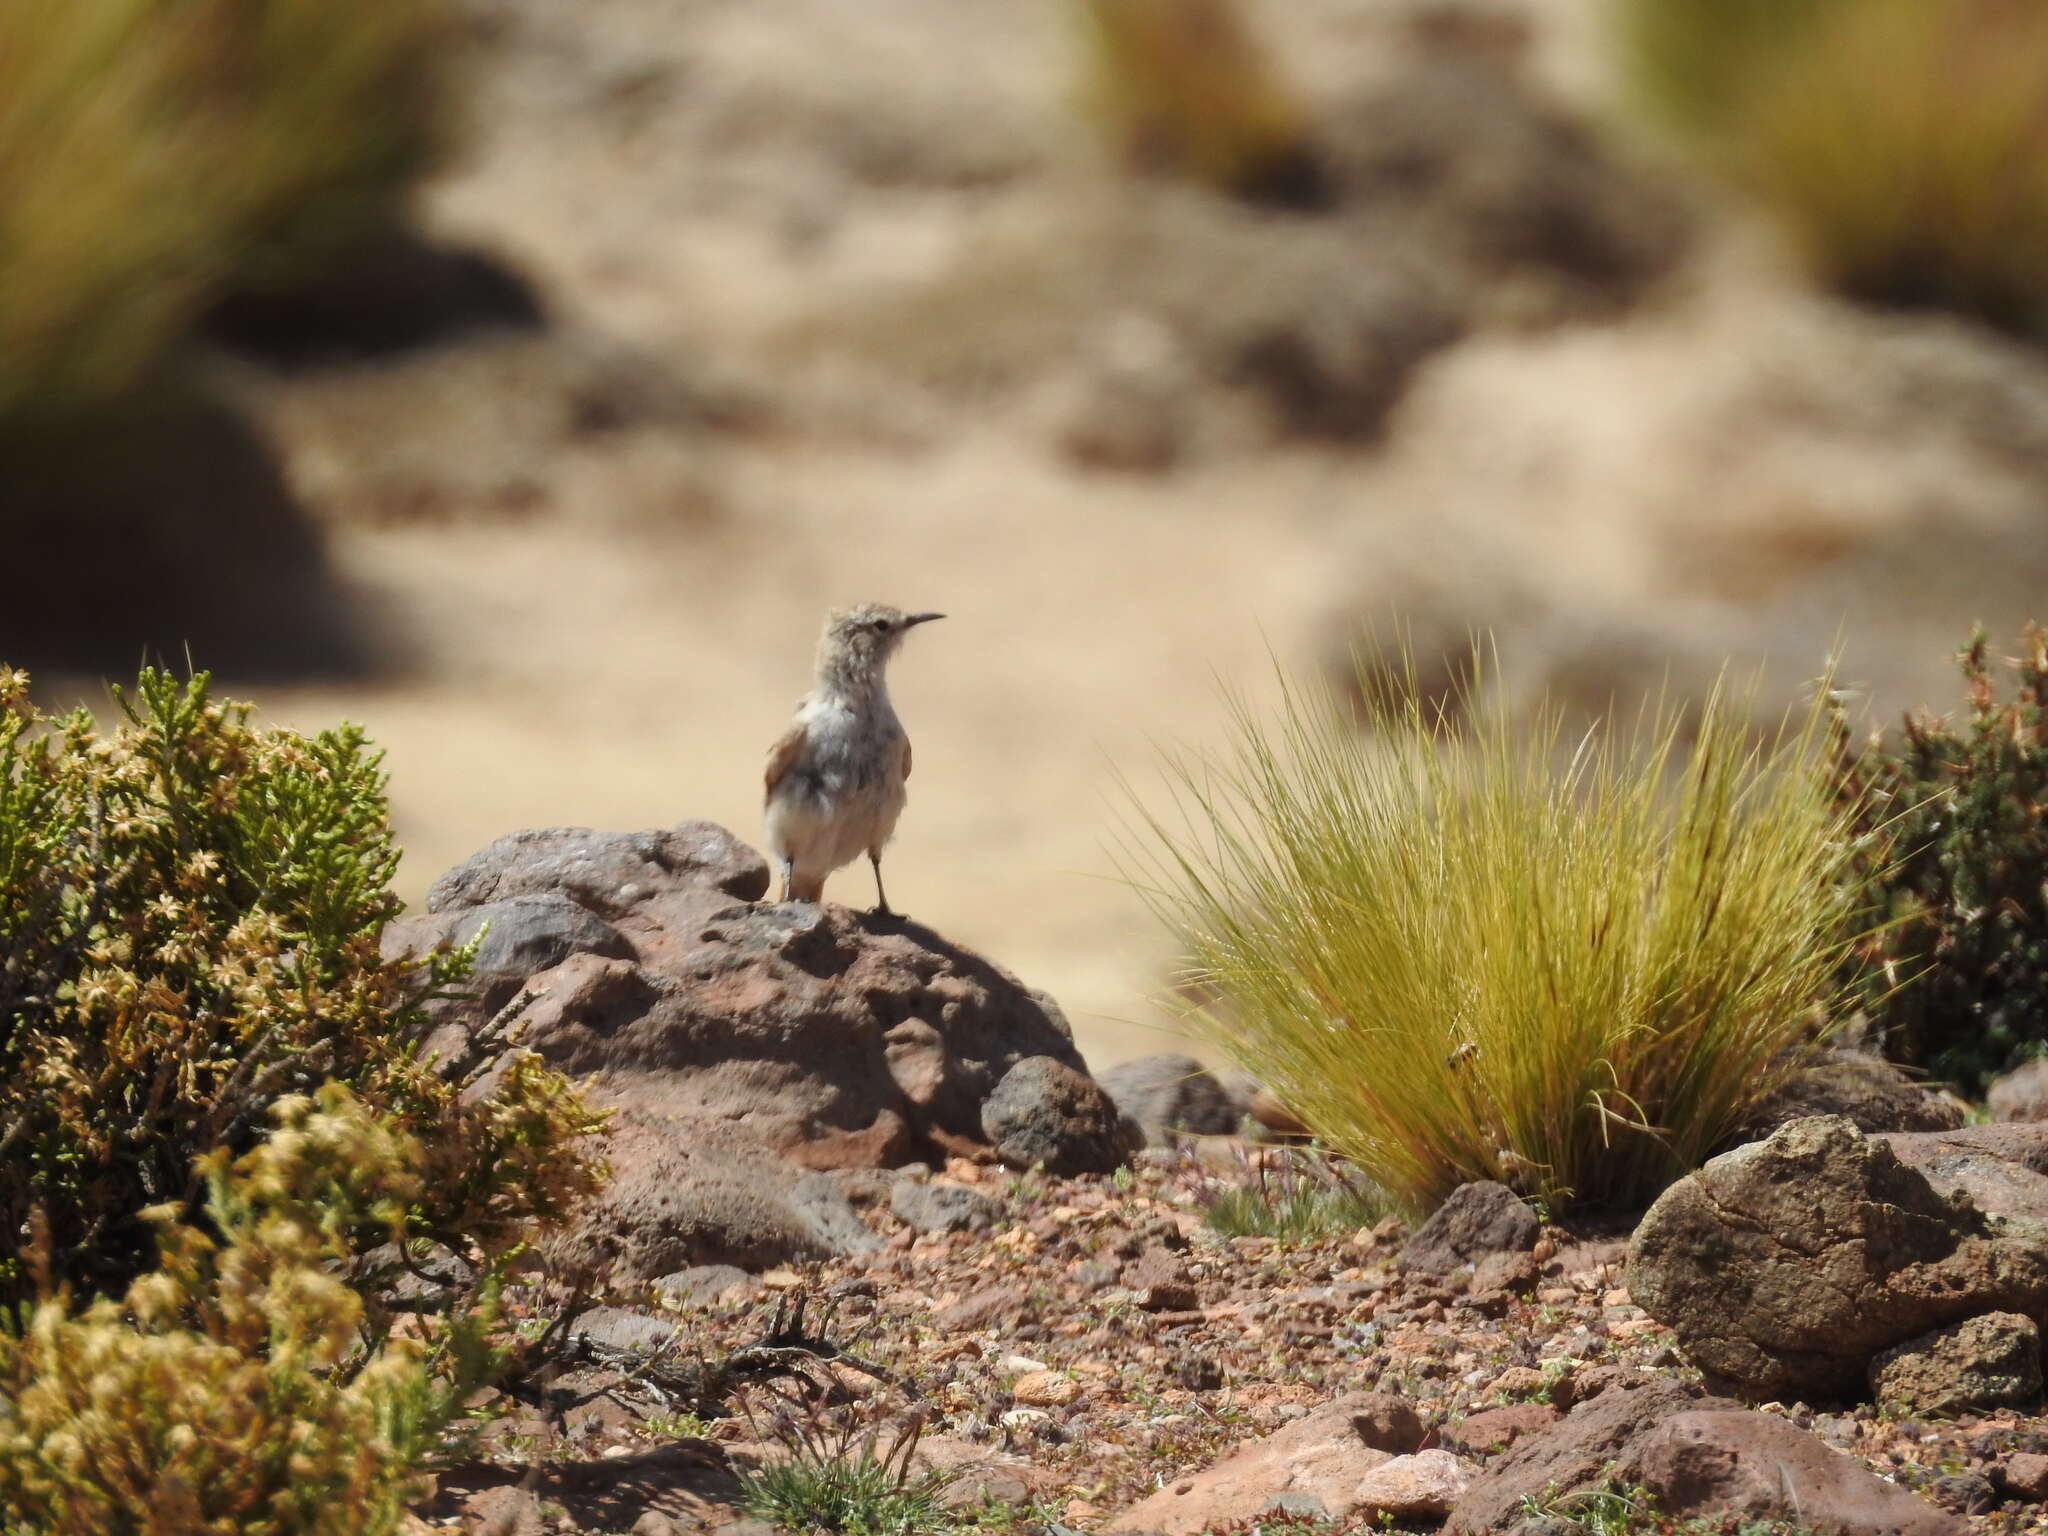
{"points": [[1183, 85], [1462, 951], [1903, 144], [153, 151], [240, 1386]]}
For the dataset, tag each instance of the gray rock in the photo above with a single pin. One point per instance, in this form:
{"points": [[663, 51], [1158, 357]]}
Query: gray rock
{"points": [[1785, 1265], [2003, 1169], [1477, 1220], [821, 1203], [937, 1206], [1165, 1093], [605, 872], [1992, 1361], [624, 1329], [1869, 1090], [701, 1284], [1046, 1114]]}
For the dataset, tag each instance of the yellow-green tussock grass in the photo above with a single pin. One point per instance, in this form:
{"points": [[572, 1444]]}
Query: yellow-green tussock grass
{"points": [[1460, 949]]}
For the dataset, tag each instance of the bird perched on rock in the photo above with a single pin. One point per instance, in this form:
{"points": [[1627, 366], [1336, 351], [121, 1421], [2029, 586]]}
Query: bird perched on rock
{"points": [[835, 779]]}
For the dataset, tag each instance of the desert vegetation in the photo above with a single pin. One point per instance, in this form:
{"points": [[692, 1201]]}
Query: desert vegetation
{"points": [[1460, 951]]}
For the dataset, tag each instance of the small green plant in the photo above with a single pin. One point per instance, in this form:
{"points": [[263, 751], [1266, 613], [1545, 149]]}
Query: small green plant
{"points": [[190, 912], [1952, 873], [1459, 951], [242, 1387], [1182, 85], [847, 1474], [1294, 1194], [1904, 144]]}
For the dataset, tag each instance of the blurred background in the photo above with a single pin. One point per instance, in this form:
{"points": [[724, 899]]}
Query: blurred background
{"points": [[524, 379]]}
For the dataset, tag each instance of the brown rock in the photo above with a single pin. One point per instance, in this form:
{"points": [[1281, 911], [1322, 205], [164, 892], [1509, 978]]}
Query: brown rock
{"points": [[1734, 1461], [2022, 1094], [1045, 1389], [1696, 1457], [1322, 1457], [1993, 1361], [978, 1475], [981, 1309], [2002, 1168], [1498, 1279], [1048, 1113], [1160, 1278], [1869, 1090], [1783, 1266], [2025, 1476], [1419, 1487], [1495, 1429]]}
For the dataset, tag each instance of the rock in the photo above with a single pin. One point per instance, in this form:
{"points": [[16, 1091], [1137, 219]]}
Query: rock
{"points": [[1045, 1389], [1423, 1486], [2022, 1094], [702, 1283], [2002, 1168], [1048, 1114], [938, 1206], [1869, 1090], [605, 872], [1696, 1457], [704, 1195], [1478, 1219], [1160, 1277], [1323, 1456], [1499, 1278], [1166, 1093], [1273, 1118], [1785, 1265], [736, 1040], [1992, 1361], [624, 1329], [1966, 1493], [1756, 1465], [978, 1476], [2025, 1476], [1495, 1429], [982, 1309]]}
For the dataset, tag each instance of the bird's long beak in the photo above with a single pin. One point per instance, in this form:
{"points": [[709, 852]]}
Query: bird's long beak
{"points": [[920, 618]]}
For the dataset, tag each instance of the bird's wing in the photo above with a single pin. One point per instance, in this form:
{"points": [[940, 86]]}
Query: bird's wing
{"points": [[906, 757], [783, 755]]}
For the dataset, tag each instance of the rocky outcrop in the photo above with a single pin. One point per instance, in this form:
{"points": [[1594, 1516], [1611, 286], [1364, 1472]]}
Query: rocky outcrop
{"points": [[1477, 1221], [743, 1041], [1784, 1266], [1693, 1456]]}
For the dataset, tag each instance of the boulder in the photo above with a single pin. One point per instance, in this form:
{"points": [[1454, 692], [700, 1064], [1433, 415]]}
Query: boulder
{"points": [[1477, 1220], [1785, 1265], [1422, 1487], [1165, 1093], [738, 1038], [1695, 1457], [1993, 1361], [935, 1205], [2022, 1094], [1869, 1090], [1315, 1463]]}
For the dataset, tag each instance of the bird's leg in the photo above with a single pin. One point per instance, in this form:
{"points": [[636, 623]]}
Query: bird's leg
{"points": [[788, 875], [881, 896]]}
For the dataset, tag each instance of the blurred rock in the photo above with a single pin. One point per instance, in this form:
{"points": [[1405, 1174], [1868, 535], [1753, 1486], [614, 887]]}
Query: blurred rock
{"points": [[1991, 1361], [1477, 1220], [1869, 1090], [937, 1206], [2022, 1094], [1168, 1092]]}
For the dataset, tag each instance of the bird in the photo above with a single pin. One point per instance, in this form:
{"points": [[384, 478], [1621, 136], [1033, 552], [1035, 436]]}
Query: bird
{"points": [[835, 780]]}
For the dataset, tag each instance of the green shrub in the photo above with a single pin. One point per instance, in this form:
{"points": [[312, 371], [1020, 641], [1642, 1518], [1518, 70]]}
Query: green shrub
{"points": [[241, 1387], [1183, 85], [1464, 952], [1952, 962], [1282, 1192], [190, 910], [1903, 143], [154, 151]]}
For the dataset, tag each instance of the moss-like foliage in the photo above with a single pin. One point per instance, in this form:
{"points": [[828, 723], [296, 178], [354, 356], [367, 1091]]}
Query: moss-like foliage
{"points": [[190, 910], [1953, 873], [242, 1386]]}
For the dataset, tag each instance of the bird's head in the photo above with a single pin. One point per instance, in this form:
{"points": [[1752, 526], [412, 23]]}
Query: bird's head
{"points": [[864, 637]]}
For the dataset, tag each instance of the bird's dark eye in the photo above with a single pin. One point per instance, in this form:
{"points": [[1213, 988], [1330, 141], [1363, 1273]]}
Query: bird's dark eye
{"points": [[879, 626]]}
